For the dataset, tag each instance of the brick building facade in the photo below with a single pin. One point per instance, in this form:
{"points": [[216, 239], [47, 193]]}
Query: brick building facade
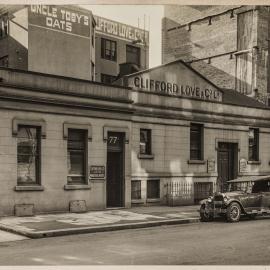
{"points": [[227, 44]]}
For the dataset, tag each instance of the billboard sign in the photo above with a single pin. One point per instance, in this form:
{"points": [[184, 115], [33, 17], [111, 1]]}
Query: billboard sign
{"points": [[60, 19]]}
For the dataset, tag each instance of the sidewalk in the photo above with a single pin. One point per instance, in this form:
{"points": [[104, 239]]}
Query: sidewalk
{"points": [[50, 225]]}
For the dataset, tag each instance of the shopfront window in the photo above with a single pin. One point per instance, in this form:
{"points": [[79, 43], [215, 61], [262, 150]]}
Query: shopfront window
{"points": [[145, 141], [77, 152], [196, 142], [253, 144], [28, 155], [108, 49]]}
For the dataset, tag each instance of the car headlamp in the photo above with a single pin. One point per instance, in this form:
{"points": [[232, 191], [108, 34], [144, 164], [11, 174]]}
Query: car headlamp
{"points": [[209, 199], [225, 199]]}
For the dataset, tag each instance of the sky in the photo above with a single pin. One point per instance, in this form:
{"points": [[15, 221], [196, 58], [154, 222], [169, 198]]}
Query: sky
{"points": [[132, 15]]}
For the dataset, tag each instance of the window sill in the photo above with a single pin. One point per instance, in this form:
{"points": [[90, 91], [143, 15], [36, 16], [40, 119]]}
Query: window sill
{"points": [[254, 162], [29, 188], [76, 187], [145, 156], [153, 200], [137, 201], [198, 162]]}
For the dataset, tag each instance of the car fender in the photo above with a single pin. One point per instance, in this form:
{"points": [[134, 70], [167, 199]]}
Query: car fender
{"points": [[203, 202], [237, 201]]}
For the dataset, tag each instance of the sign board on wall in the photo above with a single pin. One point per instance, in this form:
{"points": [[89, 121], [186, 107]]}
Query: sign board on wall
{"points": [[121, 30], [242, 165], [96, 171], [211, 165], [60, 18]]}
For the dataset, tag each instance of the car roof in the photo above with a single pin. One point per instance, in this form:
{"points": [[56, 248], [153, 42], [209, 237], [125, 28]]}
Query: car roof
{"points": [[249, 179]]}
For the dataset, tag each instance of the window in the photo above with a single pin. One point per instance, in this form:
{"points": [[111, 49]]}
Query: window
{"points": [[4, 61], [145, 141], [28, 155], [133, 55], [77, 153], [136, 190], [3, 26], [108, 79], [196, 142], [153, 189], [108, 49], [253, 144]]}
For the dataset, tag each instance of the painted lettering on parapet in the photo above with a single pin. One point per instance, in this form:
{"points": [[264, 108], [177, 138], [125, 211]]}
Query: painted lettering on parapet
{"points": [[60, 18], [184, 90], [121, 30]]}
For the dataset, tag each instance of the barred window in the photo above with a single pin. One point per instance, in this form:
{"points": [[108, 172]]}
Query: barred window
{"points": [[135, 189], [77, 151], [196, 142], [253, 144], [28, 155]]}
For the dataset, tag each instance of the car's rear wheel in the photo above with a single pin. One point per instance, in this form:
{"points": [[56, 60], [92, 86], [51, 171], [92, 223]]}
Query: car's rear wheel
{"points": [[205, 215], [233, 212]]}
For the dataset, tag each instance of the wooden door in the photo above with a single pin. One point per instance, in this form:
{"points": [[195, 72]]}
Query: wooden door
{"points": [[226, 164], [115, 170]]}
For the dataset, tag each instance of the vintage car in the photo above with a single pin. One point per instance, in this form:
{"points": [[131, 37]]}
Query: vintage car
{"points": [[248, 196]]}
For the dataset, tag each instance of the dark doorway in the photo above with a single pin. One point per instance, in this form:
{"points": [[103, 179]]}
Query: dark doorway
{"points": [[115, 169], [227, 164]]}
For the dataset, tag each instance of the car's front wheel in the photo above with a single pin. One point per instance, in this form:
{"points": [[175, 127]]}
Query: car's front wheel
{"points": [[233, 212], [205, 215]]}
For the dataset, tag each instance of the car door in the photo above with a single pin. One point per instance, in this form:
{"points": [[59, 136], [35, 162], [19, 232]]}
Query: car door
{"points": [[251, 201]]}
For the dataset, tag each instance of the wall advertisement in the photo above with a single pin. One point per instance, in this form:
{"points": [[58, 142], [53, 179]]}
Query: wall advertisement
{"points": [[60, 18]]}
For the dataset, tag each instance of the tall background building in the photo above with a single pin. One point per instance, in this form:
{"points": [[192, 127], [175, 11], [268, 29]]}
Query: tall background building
{"points": [[56, 40], [120, 48], [69, 41], [227, 44]]}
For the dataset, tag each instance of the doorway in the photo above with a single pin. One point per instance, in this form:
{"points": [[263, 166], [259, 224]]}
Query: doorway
{"points": [[227, 164], [115, 170]]}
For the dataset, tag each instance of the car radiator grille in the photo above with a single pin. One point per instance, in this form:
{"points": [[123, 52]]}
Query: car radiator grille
{"points": [[218, 198]]}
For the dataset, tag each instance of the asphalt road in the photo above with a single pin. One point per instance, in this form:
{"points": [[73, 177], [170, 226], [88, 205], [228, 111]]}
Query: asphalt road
{"points": [[216, 243]]}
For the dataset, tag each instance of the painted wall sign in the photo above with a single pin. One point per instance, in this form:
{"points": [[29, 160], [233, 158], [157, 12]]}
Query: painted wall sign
{"points": [[242, 165], [121, 30], [60, 18], [211, 165], [170, 88], [96, 171]]}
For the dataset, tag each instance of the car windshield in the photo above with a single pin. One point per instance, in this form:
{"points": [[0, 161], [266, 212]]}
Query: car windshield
{"points": [[240, 186]]}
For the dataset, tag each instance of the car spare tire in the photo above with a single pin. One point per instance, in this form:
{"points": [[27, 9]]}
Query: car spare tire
{"points": [[233, 212]]}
